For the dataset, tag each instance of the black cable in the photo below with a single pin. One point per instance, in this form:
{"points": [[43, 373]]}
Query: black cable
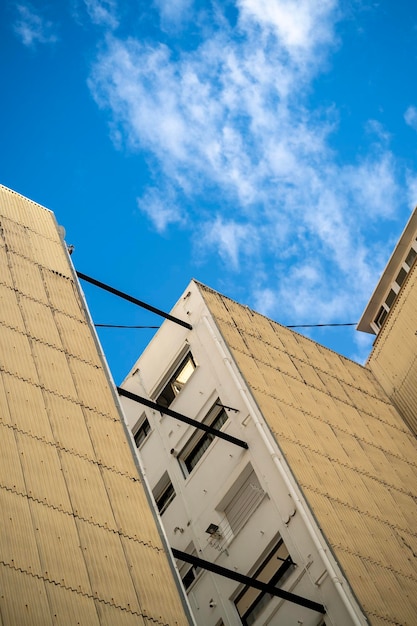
{"points": [[133, 300], [182, 418], [121, 326], [149, 307], [286, 326], [319, 325]]}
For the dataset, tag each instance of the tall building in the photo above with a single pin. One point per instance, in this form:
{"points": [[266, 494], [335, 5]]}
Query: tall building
{"points": [[311, 484], [392, 315], [79, 542]]}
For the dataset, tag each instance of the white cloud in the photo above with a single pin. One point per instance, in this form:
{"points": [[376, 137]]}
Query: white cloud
{"points": [[300, 25], [373, 183], [231, 240], [363, 342], [160, 208], [173, 12], [266, 301], [32, 28], [412, 190], [410, 117], [139, 83], [102, 12], [228, 130]]}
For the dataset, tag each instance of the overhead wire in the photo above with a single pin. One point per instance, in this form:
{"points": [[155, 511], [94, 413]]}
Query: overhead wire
{"points": [[319, 325], [286, 325], [133, 300], [153, 309], [121, 326]]}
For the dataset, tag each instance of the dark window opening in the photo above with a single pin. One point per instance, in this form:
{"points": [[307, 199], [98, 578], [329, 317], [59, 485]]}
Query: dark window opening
{"points": [[190, 576], [390, 298], [410, 257], [142, 432], [164, 493], [380, 318], [275, 568], [194, 453], [401, 276], [187, 571]]}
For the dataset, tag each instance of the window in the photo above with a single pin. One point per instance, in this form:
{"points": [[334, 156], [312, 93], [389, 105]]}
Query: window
{"points": [[187, 571], [401, 275], [275, 568], [246, 498], [380, 318], [410, 257], [142, 431], [164, 493], [201, 441], [177, 381], [389, 301], [390, 298]]}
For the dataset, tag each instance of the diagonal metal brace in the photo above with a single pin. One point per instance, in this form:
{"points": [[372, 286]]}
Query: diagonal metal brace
{"points": [[182, 418], [247, 580], [140, 303]]}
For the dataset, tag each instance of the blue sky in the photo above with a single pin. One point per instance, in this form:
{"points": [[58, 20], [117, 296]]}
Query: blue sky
{"points": [[265, 147]]}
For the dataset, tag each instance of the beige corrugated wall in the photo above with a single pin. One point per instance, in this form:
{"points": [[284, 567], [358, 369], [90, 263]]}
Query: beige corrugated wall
{"points": [[393, 359], [349, 450], [78, 542]]}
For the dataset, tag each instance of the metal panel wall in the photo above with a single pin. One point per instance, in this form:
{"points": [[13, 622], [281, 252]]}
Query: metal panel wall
{"points": [[79, 541], [348, 449], [394, 356]]}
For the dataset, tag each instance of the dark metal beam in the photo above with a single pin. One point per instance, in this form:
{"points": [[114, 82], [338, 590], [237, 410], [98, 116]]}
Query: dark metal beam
{"points": [[247, 580], [181, 418], [126, 296]]}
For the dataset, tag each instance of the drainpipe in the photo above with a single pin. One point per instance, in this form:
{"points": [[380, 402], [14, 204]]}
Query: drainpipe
{"points": [[314, 534]]}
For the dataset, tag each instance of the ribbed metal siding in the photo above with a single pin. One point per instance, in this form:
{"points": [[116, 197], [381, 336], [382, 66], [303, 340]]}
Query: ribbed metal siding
{"points": [[103, 432], [27, 407], [24, 599], [75, 338], [74, 516], [348, 448], [130, 508], [27, 213], [34, 247], [27, 277], [394, 356]]}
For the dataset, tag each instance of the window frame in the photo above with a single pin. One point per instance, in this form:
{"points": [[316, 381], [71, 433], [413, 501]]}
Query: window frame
{"points": [[164, 493], [382, 316], [401, 276], [186, 568], [281, 574], [216, 415], [395, 288], [142, 426], [171, 386], [411, 257], [238, 494]]}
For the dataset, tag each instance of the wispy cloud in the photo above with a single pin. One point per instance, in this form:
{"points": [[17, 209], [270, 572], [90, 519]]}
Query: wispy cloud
{"points": [[229, 132], [173, 12], [103, 12], [32, 28], [410, 117], [232, 239], [412, 189], [160, 208], [299, 26]]}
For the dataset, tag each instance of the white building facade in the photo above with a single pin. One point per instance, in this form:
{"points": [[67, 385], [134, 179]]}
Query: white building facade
{"points": [[239, 508]]}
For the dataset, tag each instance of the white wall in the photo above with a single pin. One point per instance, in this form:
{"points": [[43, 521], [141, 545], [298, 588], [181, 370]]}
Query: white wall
{"points": [[199, 494]]}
